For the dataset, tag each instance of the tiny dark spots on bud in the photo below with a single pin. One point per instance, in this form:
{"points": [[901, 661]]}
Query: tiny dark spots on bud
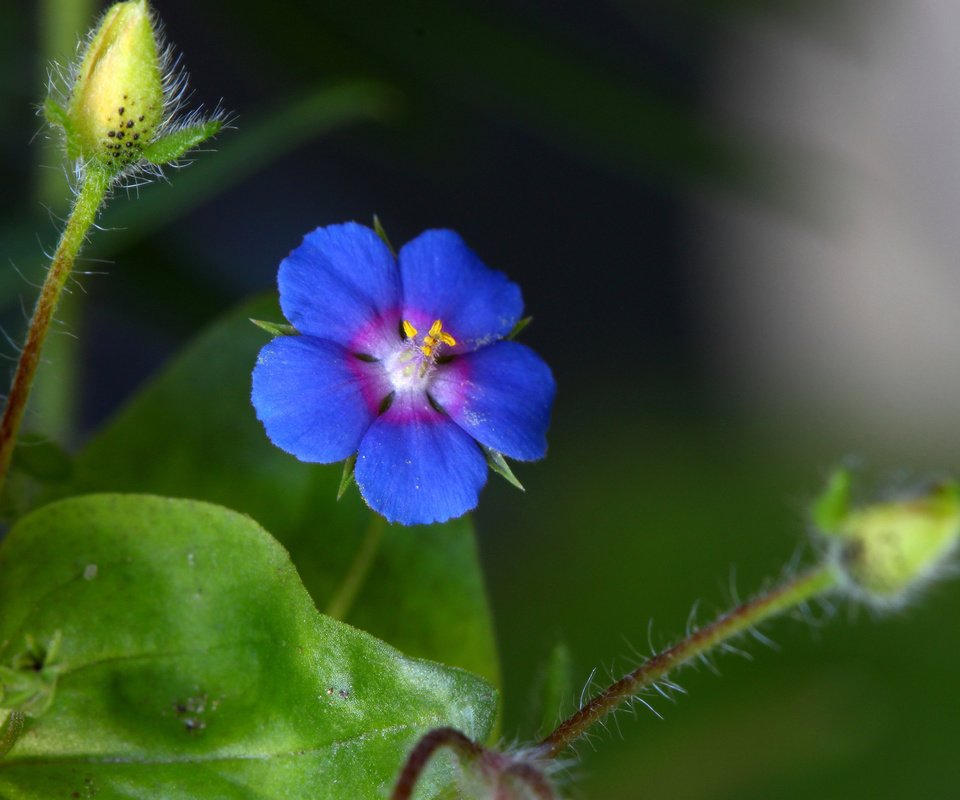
{"points": [[111, 134], [121, 110], [344, 693], [140, 118], [136, 136], [129, 144], [129, 123], [124, 97]]}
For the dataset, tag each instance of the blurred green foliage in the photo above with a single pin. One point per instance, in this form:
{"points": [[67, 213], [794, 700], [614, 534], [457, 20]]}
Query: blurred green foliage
{"points": [[654, 488]]}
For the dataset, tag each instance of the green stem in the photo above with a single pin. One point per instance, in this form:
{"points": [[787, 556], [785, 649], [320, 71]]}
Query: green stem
{"points": [[343, 599], [768, 604], [93, 190]]}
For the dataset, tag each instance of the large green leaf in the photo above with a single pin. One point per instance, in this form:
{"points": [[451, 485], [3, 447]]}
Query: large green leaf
{"points": [[193, 433], [192, 664]]}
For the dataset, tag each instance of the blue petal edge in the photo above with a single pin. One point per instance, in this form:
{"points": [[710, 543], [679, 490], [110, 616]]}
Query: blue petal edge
{"points": [[443, 279], [339, 283], [309, 396], [416, 466], [502, 395]]}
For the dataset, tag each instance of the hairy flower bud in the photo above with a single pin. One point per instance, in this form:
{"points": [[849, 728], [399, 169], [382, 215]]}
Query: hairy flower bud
{"points": [[116, 104], [119, 109], [887, 550]]}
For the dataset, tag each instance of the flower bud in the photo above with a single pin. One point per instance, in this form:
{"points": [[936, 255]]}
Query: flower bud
{"points": [[888, 550], [116, 103]]}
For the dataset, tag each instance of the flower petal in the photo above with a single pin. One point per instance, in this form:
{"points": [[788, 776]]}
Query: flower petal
{"points": [[443, 279], [315, 399], [502, 396], [416, 466], [342, 283]]}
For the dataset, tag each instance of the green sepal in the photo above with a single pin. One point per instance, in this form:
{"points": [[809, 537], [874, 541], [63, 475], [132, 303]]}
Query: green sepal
{"points": [[276, 328], [519, 327], [347, 477], [30, 682], [174, 145], [832, 507], [55, 114], [498, 464], [378, 229]]}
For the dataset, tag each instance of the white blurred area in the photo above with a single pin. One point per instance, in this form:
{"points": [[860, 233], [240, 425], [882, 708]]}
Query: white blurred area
{"points": [[850, 322]]}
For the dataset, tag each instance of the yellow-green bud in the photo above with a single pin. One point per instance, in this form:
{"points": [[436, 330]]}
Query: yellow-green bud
{"points": [[116, 103], [888, 550]]}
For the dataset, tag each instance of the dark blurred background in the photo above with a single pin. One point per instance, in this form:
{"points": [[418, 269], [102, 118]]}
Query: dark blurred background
{"points": [[733, 222]]}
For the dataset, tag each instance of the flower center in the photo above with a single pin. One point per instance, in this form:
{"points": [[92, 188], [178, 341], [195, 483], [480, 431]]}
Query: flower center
{"points": [[410, 368]]}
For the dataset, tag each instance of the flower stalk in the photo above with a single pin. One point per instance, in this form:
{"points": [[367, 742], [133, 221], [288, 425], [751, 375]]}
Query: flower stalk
{"points": [[786, 596], [92, 192], [502, 771]]}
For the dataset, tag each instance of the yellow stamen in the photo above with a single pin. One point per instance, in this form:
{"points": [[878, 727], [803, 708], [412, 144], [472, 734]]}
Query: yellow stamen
{"points": [[432, 339]]}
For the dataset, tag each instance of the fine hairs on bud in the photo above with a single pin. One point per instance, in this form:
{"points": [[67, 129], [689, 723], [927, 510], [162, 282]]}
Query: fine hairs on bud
{"points": [[120, 104], [887, 552]]}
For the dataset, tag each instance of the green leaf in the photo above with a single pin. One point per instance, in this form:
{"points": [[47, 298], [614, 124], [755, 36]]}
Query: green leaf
{"points": [[498, 464], [193, 433], [194, 665], [276, 328], [175, 145]]}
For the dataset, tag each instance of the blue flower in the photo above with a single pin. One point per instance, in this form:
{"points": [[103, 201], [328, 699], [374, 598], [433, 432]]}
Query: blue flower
{"points": [[403, 361]]}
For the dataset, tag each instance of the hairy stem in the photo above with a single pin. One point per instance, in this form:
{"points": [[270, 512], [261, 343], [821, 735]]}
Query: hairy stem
{"points": [[346, 593], [426, 748], [787, 595], [93, 189], [502, 771]]}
